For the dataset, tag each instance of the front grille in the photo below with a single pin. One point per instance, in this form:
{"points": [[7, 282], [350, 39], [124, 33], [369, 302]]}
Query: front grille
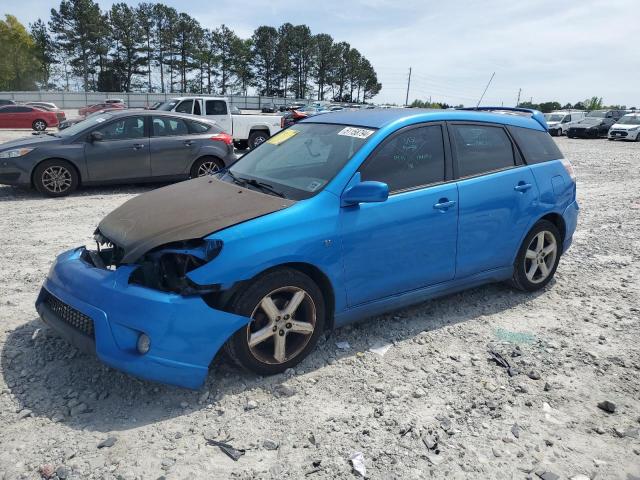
{"points": [[69, 315], [619, 133]]}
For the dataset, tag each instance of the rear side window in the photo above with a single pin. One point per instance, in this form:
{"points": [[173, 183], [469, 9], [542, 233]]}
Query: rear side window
{"points": [[169, 127], [536, 146], [409, 159], [197, 127], [481, 149], [216, 107]]}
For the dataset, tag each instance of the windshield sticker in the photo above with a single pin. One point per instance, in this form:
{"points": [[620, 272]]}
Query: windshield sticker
{"points": [[355, 132], [282, 136], [100, 120], [315, 185]]}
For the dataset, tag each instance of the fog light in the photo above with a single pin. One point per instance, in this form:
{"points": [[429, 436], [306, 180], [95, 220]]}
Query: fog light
{"points": [[144, 343]]}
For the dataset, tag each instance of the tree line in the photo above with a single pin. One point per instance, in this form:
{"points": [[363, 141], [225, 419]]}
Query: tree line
{"points": [[152, 47]]}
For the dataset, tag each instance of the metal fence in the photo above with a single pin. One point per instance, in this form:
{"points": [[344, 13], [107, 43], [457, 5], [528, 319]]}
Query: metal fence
{"points": [[80, 99]]}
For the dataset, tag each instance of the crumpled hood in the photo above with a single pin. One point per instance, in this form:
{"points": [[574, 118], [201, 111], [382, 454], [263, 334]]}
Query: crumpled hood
{"points": [[183, 211]]}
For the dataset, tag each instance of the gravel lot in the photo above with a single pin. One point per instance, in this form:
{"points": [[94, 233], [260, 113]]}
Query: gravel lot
{"points": [[432, 406]]}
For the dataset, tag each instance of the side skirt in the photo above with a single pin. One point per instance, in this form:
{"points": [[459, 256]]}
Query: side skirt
{"points": [[413, 297]]}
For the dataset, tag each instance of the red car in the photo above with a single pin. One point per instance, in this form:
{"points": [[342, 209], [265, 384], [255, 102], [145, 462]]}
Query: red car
{"points": [[22, 116], [89, 109]]}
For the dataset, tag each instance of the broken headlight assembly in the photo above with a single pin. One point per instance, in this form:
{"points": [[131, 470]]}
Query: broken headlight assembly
{"points": [[165, 268]]}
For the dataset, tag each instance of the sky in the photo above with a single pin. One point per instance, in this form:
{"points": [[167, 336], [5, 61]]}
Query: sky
{"points": [[550, 49]]}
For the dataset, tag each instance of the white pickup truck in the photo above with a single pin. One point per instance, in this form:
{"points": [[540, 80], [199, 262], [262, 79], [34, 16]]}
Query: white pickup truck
{"points": [[247, 130]]}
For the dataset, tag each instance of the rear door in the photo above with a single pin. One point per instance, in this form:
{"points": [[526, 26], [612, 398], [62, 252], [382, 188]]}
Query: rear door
{"points": [[408, 241], [172, 146], [497, 195], [217, 110], [122, 154]]}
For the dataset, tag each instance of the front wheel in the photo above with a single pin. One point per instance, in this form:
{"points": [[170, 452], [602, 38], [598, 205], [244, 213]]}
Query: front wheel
{"points": [[538, 257], [55, 178], [257, 138], [287, 313]]}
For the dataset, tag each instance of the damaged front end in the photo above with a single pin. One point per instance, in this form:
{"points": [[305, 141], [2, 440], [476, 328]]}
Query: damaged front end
{"points": [[163, 268]]}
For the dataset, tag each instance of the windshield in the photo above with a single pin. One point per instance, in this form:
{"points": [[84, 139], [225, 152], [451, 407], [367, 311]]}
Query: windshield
{"points": [[299, 161], [169, 105], [597, 114], [553, 117], [90, 121], [630, 120]]}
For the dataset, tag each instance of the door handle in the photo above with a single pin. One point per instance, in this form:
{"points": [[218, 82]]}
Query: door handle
{"points": [[188, 143], [522, 187], [444, 204], [138, 146]]}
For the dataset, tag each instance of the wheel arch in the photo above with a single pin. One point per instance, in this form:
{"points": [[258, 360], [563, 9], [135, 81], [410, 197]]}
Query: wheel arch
{"points": [[205, 155], [558, 221], [317, 275], [35, 167]]}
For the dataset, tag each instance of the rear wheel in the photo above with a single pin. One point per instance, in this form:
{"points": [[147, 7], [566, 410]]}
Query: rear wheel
{"points": [[538, 257], [206, 166], [287, 316], [39, 125], [257, 138], [55, 178]]}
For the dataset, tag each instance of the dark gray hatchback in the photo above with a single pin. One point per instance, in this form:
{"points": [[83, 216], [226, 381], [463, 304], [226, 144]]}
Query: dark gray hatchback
{"points": [[117, 147]]}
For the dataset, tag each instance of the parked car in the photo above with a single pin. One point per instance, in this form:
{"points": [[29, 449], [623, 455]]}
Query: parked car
{"points": [[4, 101], [115, 100], [560, 121], [291, 106], [247, 130], [89, 109], [595, 124], [117, 147], [72, 121], [154, 106], [627, 128], [341, 217], [52, 107], [272, 108], [22, 116]]}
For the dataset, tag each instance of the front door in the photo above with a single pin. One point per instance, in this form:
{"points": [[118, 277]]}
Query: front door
{"points": [[123, 152], [497, 196], [408, 241]]}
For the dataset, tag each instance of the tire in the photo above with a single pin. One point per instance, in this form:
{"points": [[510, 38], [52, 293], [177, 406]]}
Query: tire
{"points": [[257, 138], [522, 278], [638, 137], [559, 134], [55, 178], [297, 338], [206, 166], [39, 125]]}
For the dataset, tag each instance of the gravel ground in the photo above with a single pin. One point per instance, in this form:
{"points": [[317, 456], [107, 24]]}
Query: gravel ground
{"points": [[432, 406]]}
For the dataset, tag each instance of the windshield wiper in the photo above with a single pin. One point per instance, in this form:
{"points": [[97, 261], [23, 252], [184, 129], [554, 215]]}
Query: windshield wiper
{"points": [[239, 181], [263, 186]]}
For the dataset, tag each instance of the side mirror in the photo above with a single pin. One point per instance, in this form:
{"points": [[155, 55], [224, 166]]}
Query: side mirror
{"points": [[96, 136], [365, 192]]}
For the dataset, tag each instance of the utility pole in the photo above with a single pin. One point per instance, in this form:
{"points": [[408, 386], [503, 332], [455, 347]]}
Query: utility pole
{"points": [[406, 101], [519, 92]]}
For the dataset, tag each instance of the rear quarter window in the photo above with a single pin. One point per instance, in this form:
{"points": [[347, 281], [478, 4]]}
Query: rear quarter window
{"points": [[536, 146]]}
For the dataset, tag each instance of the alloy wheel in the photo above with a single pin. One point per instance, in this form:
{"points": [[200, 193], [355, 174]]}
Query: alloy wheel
{"points": [[40, 125], [259, 140], [208, 168], [540, 257], [282, 325], [56, 179]]}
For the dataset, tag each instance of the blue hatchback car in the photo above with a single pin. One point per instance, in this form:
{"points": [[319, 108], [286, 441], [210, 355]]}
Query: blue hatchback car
{"points": [[340, 217]]}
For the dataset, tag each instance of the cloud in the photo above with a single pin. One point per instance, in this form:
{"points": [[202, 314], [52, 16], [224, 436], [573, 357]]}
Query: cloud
{"points": [[552, 50]]}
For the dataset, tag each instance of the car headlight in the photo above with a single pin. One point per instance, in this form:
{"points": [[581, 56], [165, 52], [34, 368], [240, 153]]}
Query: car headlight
{"points": [[16, 152]]}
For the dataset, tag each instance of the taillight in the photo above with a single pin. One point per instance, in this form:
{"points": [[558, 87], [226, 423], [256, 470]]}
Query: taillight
{"points": [[569, 168], [282, 121], [223, 137]]}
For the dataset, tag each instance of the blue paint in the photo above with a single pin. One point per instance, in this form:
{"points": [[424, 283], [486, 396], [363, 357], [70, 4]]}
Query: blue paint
{"points": [[377, 256]]}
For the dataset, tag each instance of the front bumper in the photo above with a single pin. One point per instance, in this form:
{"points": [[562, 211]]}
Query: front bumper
{"points": [[185, 332], [583, 132], [13, 172], [623, 134], [570, 217]]}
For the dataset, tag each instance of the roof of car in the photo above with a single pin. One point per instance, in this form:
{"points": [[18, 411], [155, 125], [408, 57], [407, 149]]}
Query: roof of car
{"points": [[121, 112], [378, 118]]}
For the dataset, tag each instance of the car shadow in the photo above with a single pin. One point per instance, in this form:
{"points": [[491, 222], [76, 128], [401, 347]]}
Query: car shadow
{"points": [[50, 378]]}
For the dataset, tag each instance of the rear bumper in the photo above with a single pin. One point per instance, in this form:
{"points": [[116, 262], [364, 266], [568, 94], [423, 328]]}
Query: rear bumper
{"points": [[185, 332], [570, 217]]}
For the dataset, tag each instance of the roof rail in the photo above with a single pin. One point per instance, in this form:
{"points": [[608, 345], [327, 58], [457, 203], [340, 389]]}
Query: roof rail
{"points": [[535, 114]]}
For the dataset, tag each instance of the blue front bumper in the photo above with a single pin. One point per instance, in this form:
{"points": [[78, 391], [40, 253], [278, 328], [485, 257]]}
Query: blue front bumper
{"points": [[185, 332]]}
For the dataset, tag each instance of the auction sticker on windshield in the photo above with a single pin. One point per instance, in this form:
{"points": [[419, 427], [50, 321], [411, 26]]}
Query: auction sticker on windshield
{"points": [[355, 132], [282, 136]]}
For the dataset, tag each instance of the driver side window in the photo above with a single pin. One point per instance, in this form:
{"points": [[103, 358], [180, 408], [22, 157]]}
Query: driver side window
{"points": [[409, 159], [123, 129]]}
